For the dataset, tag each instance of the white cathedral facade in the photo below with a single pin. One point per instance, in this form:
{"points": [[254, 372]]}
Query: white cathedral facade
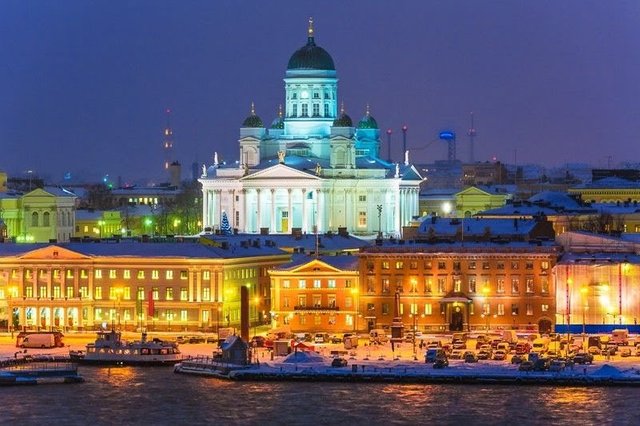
{"points": [[312, 170]]}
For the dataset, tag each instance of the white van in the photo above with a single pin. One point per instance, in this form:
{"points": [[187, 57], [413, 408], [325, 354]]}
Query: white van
{"points": [[39, 340], [620, 336], [378, 335]]}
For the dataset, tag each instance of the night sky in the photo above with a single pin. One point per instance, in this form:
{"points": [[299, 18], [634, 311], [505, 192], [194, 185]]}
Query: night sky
{"points": [[84, 84]]}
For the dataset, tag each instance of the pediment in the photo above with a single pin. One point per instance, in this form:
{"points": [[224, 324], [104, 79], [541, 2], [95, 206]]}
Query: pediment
{"points": [[38, 192], [281, 172], [472, 190], [53, 253], [315, 266]]}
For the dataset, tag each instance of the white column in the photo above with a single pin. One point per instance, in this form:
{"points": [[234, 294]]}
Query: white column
{"points": [[259, 204], [319, 209], [244, 215], [304, 210], [290, 221], [396, 216], [205, 209], [272, 225]]}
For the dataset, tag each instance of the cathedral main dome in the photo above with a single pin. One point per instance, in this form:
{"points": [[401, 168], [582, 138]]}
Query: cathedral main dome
{"points": [[311, 56]]}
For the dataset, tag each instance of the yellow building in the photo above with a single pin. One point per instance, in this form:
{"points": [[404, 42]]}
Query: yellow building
{"points": [[475, 199], [312, 294], [39, 216], [97, 224], [608, 190], [161, 286]]}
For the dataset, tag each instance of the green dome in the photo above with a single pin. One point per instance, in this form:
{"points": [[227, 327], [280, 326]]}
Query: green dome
{"points": [[311, 56], [343, 121], [252, 120], [368, 122]]}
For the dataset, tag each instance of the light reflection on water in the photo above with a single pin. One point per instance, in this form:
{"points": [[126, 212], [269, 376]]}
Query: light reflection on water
{"points": [[157, 396]]}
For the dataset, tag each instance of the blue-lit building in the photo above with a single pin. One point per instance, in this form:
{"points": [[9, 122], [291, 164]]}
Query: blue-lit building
{"points": [[313, 168]]}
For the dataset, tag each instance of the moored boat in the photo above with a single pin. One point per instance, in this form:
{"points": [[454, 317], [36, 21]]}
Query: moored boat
{"points": [[110, 349]]}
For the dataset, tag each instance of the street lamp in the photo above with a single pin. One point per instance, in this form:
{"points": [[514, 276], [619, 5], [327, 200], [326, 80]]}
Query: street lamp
{"points": [[584, 292], [379, 207], [486, 308], [118, 293]]}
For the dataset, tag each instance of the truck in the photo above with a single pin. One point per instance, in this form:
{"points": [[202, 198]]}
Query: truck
{"points": [[620, 336], [52, 339]]}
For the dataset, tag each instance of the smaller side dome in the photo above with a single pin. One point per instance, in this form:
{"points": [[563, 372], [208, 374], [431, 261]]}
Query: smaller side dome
{"points": [[278, 122], [343, 120], [252, 120], [368, 122]]}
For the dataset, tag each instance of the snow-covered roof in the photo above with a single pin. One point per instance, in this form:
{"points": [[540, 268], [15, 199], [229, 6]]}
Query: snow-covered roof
{"points": [[326, 242], [186, 250], [89, 214], [555, 199], [610, 182], [342, 262], [477, 226]]}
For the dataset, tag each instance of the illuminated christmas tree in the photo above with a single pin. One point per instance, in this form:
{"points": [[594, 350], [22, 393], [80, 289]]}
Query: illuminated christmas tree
{"points": [[225, 228]]}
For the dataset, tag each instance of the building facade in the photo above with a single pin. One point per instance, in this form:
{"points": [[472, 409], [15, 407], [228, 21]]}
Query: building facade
{"points": [[316, 294], [157, 286], [456, 287], [39, 216], [313, 169]]}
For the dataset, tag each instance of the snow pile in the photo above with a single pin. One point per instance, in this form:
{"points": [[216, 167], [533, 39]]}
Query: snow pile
{"points": [[302, 357], [607, 371]]}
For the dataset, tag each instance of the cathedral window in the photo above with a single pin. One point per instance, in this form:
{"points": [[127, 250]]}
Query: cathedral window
{"points": [[34, 219], [294, 110], [362, 218], [326, 110], [316, 110], [316, 95], [294, 95], [327, 95], [305, 110]]}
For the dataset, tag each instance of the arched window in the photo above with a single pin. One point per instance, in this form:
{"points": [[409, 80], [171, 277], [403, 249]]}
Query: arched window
{"points": [[45, 219], [34, 219]]}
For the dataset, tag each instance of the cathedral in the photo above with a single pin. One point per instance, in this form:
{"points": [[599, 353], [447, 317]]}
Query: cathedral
{"points": [[313, 169]]}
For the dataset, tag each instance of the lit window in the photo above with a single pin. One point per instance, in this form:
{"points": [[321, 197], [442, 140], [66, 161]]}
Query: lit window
{"points": [[362, 218], [206, 294], [140, 275], [169, 274], [500, 309], [331, 284], [97, 292], [302, 284], [126, 274], [286, 284], [428, 309], [98, 273], [206, 275], [169, 293], [112, 273], [317, 283], [155, 274], [184, 275], [184, 316], [184, 294]]}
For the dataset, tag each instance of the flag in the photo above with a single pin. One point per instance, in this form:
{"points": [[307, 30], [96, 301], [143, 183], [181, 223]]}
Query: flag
{"points": [[151, 304]]}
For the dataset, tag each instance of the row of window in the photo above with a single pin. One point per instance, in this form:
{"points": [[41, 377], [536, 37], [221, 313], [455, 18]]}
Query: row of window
{"points": [[316, 283], [317, 320], [115, 293], [316, 302], [304, 110], [457, 265], [112, 274], [111, 314], [428, 309], [439, 285]]}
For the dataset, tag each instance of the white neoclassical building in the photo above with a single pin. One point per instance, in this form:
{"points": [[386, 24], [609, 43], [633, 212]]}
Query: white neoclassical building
{"points": [[312, 169]]}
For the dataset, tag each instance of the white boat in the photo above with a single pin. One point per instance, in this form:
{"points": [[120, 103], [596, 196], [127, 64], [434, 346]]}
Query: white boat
{"points": [[110, 349]]}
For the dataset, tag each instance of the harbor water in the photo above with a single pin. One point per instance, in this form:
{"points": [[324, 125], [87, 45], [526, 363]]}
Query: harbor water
{"points": [[138, 395]]}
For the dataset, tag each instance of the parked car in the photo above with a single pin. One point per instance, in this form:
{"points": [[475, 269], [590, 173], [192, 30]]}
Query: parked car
{"points": [[339, 362], [542, 364], [470, 357], [433, 354], [321, 338], [335, 339], [485, 354], [459, 344], [197, 339], [625, 352], [499, 355], [583, 358], [456, 354], [441, 362], [594, 350]]}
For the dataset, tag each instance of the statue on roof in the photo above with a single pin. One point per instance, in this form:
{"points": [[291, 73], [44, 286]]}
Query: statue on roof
{"points": [[281, 155], [215, 159], [204, 170], [318, 169], [397, 175], [406, 158]]}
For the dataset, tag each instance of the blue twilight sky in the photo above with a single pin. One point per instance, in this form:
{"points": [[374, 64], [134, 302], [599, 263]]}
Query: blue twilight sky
{"points": [[84, 84]]}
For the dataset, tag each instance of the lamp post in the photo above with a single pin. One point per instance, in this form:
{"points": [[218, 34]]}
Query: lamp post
{"points": [[415, 326], [219, 312], [585, 305], [486, 308], [379, 207], [118, 293]]}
